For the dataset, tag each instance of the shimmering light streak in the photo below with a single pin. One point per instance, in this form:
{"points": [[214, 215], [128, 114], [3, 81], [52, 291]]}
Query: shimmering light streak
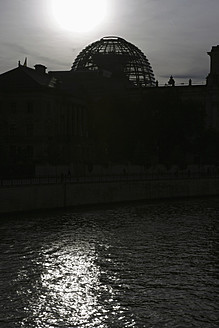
{"points": [[151, 265], [71, 289]]}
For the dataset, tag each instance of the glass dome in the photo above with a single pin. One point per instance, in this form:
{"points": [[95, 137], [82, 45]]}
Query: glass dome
{"points": [[117, 57]]}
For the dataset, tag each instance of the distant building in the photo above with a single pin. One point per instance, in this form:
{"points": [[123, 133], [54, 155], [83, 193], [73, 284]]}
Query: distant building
{"points": [[212, 99], [112, 66], [108, 66], [115, 57], [107, 108]]}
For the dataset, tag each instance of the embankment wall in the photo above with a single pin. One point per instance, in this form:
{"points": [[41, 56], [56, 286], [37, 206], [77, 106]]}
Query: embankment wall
{"points": [[60, 195]]}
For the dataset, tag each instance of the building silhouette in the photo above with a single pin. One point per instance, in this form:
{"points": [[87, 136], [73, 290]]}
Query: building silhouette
{"points": [[40, 123], [106, 109], [114, 56]]}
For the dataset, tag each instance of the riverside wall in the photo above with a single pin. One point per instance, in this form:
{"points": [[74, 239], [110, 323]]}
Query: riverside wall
{"points": [[62, 195]]}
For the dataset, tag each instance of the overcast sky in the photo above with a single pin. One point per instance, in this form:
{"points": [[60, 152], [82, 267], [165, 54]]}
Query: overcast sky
{"points": [[175, 35]]}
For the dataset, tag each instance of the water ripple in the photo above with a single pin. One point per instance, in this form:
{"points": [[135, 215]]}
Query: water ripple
{"points": [[153, 265]]}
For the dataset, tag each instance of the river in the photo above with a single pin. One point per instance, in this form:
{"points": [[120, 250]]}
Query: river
{"points": [[139, 265]]}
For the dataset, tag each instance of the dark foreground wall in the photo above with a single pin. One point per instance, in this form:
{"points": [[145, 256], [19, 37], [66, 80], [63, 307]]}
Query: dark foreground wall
{"points": [[45, 196]]}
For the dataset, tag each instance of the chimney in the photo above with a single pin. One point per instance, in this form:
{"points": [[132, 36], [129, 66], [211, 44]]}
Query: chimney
{"points": [[40, 68]]}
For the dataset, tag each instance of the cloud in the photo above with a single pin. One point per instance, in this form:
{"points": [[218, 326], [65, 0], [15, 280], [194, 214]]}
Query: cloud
{"points": [[35, 56]]}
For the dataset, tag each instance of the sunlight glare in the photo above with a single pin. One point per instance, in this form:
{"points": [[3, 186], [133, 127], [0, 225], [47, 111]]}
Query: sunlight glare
{"points": [[79, 15]]}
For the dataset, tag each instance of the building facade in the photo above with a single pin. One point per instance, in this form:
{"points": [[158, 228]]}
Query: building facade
{"points": [[107, 108], [40, 123]]}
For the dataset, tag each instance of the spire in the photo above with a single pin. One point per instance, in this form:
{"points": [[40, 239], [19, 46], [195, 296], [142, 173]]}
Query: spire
{"points": [[25, 62]]}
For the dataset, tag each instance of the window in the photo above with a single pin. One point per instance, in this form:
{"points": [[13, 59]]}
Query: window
{"points": [[29, 129], [30, 107], [48, 108], [29, 152], [13, 107], [13, 152], [12, 129]]}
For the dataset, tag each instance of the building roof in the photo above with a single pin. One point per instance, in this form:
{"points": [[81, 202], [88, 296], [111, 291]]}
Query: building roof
{"points": [[26, 78]]}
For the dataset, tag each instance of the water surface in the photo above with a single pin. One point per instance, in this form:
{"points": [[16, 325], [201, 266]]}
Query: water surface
{"points": [[147, 265]]}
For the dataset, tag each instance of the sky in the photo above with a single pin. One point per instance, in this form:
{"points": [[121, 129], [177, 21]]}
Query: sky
{"points": [[175, 35]]}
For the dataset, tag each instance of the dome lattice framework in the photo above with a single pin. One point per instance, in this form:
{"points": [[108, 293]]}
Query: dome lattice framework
{"points": [[117, 57]]}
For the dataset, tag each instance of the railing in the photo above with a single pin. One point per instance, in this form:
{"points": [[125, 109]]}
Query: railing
{"points": [[182, 84], [103, 179]]}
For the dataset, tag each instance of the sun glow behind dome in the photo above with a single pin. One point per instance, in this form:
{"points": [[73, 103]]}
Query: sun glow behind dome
{"points": [[79, 15]]}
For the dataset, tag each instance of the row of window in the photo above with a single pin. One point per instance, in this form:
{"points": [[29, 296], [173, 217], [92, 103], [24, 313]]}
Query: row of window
{"points": [[28, 129], [73, 121], [29, 107], [17, 153]]}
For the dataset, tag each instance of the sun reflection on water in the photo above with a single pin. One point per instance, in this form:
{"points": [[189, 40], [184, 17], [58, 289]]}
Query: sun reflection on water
{"points": [[71, 290], [109, 269]]}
